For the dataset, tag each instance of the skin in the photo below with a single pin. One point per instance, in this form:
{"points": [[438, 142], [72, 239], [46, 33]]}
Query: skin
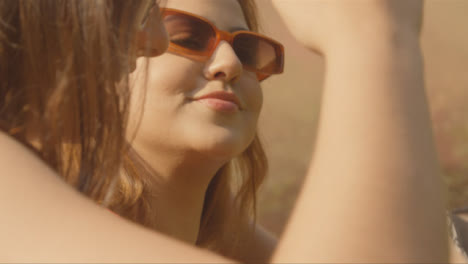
{"points": [[386, 205], [185, 141], [385, 164]]}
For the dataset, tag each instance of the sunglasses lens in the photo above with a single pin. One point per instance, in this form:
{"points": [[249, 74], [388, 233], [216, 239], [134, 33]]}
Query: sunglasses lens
{"points": [[189, 32], [256, 53]]}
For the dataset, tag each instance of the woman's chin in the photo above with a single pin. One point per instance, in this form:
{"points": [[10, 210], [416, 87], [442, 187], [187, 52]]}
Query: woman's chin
{"points": [[220, 151], [221, 147]]}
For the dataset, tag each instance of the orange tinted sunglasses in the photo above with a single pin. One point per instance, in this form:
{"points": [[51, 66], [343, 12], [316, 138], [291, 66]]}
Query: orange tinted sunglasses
{"points": [[196, 38]]}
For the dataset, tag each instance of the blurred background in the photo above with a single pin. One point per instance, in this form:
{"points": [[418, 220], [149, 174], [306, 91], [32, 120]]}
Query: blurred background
{"points": [[292, 101]]}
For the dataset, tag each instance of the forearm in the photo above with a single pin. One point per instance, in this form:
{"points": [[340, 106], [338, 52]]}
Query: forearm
{"points": [[46, 221], [373, 192]]}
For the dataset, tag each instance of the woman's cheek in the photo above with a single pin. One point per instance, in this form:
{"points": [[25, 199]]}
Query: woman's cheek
{"points": [[254, 96]]}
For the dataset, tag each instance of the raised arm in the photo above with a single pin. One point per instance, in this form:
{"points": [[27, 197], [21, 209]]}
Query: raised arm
{"points": [[374, 192], [44, 221]]}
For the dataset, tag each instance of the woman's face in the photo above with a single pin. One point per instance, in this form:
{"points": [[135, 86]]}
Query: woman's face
{"points": [[186, 106]]}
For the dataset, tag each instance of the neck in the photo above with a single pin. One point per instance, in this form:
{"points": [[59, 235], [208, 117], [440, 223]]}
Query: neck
{"points": [[178, 186]]}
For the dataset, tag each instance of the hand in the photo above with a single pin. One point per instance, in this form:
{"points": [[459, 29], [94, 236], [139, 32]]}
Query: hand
{"points": [[322, 24]]}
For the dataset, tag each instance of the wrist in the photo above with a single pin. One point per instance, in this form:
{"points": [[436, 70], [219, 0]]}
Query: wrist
{"points": [[392, 45], [386, 33]]}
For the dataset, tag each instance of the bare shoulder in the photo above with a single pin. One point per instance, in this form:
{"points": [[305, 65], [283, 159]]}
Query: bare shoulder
{"points": [[256, 244], [265, 242]]}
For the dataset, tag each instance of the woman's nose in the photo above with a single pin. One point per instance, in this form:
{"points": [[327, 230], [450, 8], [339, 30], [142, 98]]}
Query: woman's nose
{"points": [[223, 64]]}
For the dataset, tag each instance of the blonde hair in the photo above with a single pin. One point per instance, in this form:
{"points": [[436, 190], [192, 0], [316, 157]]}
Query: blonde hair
{"points": [[249, 169]]}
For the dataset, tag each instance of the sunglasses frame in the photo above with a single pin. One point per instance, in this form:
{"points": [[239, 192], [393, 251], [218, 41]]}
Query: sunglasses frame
{"points": [[276, 67]]}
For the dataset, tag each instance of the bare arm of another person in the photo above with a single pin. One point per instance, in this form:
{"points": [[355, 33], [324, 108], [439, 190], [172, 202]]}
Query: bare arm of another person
{"points": [[373, 192], [44, 220]]}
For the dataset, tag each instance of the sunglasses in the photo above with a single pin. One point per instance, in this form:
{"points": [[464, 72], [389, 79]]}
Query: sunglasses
{"points": [[196, 38]]}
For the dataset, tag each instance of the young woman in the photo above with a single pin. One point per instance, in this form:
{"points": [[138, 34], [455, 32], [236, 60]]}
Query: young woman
{"points": [[197, 134], [198, 128], [358, 203]]}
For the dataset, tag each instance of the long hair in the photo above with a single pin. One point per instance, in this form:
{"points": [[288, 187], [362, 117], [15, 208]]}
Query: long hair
{"points": [[60, 62], [234, 185]]}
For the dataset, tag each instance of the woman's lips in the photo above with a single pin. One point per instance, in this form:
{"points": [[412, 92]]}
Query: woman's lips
{"points": [[220, 101]]}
